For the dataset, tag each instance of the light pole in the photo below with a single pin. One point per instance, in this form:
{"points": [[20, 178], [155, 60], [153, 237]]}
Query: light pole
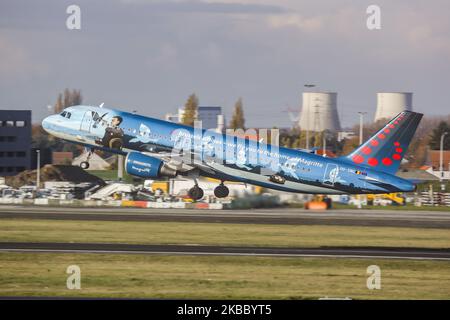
{"points": [[325, 143], [307, 114], [38, 167], [120, 167], [361, 124], [441, 156], [361, 138]]}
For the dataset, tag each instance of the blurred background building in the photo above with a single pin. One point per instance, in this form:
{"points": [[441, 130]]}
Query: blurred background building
{"points": [[62, 157], [211, 117]]}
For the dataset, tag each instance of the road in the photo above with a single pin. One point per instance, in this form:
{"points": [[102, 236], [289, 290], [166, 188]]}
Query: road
{"points": [[332, 252], [386, 218]]}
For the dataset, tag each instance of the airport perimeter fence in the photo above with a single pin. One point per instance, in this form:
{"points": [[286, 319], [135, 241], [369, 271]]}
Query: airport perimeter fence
{"points": [[434, 198], [113, 203]]}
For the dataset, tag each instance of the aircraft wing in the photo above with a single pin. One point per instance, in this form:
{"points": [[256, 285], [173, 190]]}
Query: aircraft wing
{"points": [[178, 163]]}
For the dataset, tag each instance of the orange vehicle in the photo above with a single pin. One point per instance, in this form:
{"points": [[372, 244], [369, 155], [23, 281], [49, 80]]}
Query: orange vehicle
{"points": [[318, 202]]}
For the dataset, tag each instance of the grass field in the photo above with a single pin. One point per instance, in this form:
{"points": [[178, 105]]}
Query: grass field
{"points": [[219, 234], [165, 276], [158, 276], [110, 175]]}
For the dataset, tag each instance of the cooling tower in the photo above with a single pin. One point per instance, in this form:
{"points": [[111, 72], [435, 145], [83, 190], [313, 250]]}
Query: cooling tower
{"points": [[389, 104], [319, 112]]}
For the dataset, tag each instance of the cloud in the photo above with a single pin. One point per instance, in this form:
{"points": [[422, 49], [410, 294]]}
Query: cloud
{"points": [[132, 52], [198, 6], [296, 21], [426, 31], [405, 30], [213, 53], [16, 63], [165, 57]]}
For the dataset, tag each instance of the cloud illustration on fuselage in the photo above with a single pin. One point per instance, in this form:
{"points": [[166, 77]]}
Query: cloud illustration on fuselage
{"points": [[143, 135]]}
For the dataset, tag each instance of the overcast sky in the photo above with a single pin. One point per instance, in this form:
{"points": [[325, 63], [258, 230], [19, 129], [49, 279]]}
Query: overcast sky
{"points": [[149, 55]]}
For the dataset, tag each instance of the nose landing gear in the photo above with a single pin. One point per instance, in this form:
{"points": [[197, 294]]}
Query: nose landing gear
{"points": [[85, 164]]}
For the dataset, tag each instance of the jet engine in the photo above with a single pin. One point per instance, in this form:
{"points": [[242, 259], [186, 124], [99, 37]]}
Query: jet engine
{"points": [[141, 165]]}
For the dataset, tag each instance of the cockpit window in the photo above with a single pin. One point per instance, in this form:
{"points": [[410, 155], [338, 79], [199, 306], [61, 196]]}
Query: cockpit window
{"points": [[65, 114], [95, 116]]}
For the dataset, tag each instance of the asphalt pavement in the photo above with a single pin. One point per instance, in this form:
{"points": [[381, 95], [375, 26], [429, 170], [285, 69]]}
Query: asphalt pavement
{"points": [[356, 217], [331, 252]]}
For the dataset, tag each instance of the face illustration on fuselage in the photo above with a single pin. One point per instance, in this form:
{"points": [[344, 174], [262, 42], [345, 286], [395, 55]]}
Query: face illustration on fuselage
{"points": [[113, 135], [294, 171]]}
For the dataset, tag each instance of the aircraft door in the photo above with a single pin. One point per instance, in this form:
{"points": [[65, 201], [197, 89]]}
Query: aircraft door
{"points": [[331, 174], [86, 121]]}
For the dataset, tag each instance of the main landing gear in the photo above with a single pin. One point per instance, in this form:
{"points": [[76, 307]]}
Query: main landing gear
{"points": [[221, 191], [196, 193]]}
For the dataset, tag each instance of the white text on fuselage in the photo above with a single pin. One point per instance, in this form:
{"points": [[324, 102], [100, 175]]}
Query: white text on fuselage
{"points": [[213, 147]]}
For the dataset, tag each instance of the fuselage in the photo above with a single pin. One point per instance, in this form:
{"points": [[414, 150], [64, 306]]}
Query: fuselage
{"points": [[225, 157]]}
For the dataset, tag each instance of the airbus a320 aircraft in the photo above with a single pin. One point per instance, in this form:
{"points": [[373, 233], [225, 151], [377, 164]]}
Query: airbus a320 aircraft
{"points": [[156, 149]]}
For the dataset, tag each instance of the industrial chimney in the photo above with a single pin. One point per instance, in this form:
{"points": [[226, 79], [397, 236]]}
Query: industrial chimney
{"points": [[319, 112], [389, 104]]}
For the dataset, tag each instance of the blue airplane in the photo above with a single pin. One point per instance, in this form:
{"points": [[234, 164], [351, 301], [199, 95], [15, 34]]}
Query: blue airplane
{"points": [[156, 149]]}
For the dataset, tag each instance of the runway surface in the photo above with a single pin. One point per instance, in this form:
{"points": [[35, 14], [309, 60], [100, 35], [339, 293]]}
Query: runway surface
{"points": [[387, 218], [114, 248]]}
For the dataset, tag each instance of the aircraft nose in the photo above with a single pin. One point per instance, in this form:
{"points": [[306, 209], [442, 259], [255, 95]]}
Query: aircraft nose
{"points": [[46, 122]]}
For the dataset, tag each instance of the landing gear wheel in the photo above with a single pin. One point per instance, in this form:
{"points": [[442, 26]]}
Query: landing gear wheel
{"points": [[196, 193], [84, 165], [221, 191]]}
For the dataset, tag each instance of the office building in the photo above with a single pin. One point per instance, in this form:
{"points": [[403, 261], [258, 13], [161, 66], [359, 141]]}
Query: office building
{"points": [[15, 141]]}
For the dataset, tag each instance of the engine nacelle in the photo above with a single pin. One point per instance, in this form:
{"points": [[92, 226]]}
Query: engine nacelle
{"points": [[140, 165]]}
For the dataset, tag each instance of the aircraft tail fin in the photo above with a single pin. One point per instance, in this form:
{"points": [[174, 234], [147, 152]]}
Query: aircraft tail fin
{"points": [[386, 148]]}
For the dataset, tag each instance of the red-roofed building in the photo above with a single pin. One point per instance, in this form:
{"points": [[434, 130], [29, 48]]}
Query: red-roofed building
{"points": [[328, 153], [434, 158], [434, 163], [60, 157]]}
